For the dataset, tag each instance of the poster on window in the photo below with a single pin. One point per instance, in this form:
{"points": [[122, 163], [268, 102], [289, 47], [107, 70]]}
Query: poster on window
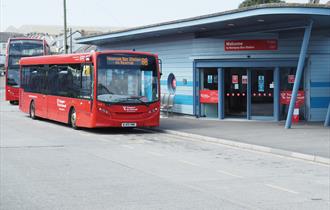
{"points": [[209, 96], [291, 79], [209, 79], [234, 79], [244, 79], [261, 83], [285, 97]]}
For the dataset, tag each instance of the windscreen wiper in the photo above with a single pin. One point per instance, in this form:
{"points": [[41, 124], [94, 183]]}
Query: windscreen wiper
{"points": [[129, 99], [139, 99]]}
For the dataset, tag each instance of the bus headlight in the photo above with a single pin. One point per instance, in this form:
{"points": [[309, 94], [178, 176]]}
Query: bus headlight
{"points": [[104, 111], [153, 110]]}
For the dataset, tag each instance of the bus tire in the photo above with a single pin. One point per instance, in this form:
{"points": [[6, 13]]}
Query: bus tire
{"points": [[32, 110], [12, 102], [73, 118]]}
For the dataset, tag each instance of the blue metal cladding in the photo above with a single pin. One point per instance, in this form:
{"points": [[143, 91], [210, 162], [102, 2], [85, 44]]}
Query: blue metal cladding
{"points": [[320, 83], [183, 99], [320, 102]]}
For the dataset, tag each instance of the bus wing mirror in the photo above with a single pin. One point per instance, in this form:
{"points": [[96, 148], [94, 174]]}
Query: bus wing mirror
{"points": [[160, 67]]}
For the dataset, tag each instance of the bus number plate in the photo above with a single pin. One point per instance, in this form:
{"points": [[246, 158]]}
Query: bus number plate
{"points": [[128, 125]]}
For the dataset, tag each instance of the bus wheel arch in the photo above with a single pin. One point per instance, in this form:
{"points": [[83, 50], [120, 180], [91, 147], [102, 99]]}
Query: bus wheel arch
{"points": [[72, 118], [32, 110], [13, 102]]}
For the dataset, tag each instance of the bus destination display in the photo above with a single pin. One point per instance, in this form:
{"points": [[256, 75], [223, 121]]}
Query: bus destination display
{"points": [[133, 61]]}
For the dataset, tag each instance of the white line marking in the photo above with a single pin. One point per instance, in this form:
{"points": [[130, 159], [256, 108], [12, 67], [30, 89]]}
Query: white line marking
{"points": [[229, 174], [281, 188], [85, 134], [189, 163], [128, 147], [156, 154], [103, 139]]}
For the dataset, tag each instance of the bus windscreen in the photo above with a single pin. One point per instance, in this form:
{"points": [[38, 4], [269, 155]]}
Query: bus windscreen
{"points": [[26, 48], [126, 79]]}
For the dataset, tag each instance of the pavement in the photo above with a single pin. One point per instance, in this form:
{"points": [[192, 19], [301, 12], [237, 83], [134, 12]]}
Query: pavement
{"points": [[309, 139]]}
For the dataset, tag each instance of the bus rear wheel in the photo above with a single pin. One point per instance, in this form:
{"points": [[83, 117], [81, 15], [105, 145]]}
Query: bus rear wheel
{"points": [[32, 111], [73, 119]]}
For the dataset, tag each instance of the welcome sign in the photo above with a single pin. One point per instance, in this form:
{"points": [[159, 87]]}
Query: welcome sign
{"points": [[244, 45]]}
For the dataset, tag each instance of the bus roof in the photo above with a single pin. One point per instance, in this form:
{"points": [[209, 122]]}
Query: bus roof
{"points": [[72, 58], [24, 38]]}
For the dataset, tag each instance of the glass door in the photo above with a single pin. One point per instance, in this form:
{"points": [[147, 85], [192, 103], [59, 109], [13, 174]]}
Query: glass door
{"points": [[262, 92], [209, 92], [235, 92]]}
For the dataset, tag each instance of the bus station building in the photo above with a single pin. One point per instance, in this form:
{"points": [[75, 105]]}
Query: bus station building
{"points": [[243, 63]]}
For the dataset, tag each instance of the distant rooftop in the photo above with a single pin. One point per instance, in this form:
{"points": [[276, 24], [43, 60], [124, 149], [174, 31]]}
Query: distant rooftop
{"points": [[4, 36]]}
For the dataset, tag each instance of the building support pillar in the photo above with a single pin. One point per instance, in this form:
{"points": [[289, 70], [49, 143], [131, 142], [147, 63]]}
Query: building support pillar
{"points": [[327, 118], [277, 92], [221, 92], [248, 95], [299, 73], [195, 86]]}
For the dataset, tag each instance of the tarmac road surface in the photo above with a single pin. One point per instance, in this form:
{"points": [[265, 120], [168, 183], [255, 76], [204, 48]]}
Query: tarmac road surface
{"points": [[47, 165]]}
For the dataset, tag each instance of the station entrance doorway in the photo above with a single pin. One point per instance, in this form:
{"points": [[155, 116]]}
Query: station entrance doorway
{"points": [[249, 92], [209, 92], [235, 83], [257, 90], [262, 92]]}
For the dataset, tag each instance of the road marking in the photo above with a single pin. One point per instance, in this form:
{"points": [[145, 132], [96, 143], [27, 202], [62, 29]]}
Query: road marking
{"points": [[103, 139], [229, 174], [281, 188], [127, 146], [85, 134], [189, 163], [156, 154]]}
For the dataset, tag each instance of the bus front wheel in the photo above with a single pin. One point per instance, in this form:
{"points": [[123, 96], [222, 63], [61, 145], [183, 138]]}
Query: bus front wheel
{"points": [[73, 119], [32, 111]]}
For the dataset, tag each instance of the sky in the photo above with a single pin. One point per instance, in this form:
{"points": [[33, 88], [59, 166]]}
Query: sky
{"points": [[123, 13]]}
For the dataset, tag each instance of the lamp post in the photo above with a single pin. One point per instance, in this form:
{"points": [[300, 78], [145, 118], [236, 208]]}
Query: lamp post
{"points": [[65, 38]]}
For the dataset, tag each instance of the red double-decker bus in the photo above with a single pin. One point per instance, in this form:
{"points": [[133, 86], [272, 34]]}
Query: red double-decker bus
{"points": [[16, 49], [100, 89]]}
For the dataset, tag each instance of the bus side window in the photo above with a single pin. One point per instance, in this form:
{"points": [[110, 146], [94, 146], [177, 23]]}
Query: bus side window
{"points": [[25, 79], [53, 85], [37, 79]]}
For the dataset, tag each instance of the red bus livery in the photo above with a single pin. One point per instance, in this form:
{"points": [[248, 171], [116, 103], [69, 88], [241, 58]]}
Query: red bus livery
{"points": [[16, 49], [101, 89]]}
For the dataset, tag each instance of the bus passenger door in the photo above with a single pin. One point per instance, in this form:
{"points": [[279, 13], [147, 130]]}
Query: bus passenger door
{"points": [[53, 87], [38, 85], [85, 94]]}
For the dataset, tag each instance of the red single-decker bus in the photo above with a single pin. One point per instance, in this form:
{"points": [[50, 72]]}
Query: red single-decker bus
{"points": [[99, 89]]}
